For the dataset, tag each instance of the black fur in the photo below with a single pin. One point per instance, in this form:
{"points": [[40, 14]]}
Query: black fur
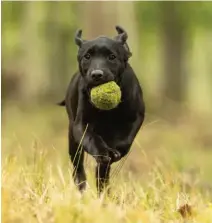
{"points": [[109, 134]]}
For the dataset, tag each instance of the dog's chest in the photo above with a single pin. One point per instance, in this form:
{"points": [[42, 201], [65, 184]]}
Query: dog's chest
{"points": [[109, 124], [108, 121]]}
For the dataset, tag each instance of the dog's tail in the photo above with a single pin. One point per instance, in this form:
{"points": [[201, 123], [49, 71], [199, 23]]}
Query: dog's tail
{"points": [[62, 103]]}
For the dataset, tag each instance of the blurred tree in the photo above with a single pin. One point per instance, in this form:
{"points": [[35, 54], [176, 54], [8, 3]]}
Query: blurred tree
{"points": [[126, 17], [173, 28], [39, 53], [98, 18], [33, 48], [58, 35], [11, 50]]}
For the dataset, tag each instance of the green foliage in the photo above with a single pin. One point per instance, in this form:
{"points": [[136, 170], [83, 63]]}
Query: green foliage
{"points": [[38, 46], [12, 14], [198, 14], [148, 14]]}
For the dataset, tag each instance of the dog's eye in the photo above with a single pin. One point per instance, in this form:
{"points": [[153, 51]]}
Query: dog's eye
{"points": [[87, 56], [112, 57]]}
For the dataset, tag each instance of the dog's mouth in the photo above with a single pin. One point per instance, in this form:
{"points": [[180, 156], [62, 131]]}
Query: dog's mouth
{"points": [[107, 76], [95, 84]]}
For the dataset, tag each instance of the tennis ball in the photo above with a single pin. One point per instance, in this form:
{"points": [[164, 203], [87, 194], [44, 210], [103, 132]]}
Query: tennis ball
{"points": [[106, 96]]}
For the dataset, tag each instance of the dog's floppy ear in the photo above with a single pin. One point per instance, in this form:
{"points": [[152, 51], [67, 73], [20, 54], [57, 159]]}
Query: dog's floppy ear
{"points": [[78, 39], [122, 37]]}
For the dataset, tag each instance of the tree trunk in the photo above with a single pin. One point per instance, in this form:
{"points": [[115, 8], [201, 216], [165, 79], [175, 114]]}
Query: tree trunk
{"points": [[173, 41], [99, 18], [58, 37], [33, 66], [127, 18]]}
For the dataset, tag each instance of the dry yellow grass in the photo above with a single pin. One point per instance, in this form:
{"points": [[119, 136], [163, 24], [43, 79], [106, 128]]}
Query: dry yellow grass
{"points": [[168, 172]]}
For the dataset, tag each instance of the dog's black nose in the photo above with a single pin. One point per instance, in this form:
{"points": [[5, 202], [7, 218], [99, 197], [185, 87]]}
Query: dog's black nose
{"points": [[96, 74]]}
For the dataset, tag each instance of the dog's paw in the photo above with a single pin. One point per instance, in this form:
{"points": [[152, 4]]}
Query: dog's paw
{"points": [[115, 155], [103, 158]]}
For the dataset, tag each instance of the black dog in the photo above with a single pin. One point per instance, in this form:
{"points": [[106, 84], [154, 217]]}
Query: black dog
{"points": [[106, 135]]}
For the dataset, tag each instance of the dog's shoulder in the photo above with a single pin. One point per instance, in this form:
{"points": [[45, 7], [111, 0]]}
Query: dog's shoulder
{"points": [[129, 79], [131, 89]]}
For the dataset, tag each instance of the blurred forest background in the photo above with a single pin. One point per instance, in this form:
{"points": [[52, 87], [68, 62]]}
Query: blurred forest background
{"points": [[170, 41], [171, 44]]}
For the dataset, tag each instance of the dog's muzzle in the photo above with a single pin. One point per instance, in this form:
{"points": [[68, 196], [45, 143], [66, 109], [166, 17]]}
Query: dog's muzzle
{"points": [[97, 75]]}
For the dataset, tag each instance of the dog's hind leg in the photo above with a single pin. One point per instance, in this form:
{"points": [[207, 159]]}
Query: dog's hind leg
{"points": [[102, 177], [77, 157]]}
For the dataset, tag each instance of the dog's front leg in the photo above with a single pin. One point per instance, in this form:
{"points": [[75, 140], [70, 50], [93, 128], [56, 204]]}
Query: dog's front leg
{"points": [[83, 133], [102, 177], [123, 146], [95, 146], [91, 142]]}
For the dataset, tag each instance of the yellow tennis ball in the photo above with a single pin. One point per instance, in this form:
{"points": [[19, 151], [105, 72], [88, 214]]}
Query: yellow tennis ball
{"points": [[106, 96]]}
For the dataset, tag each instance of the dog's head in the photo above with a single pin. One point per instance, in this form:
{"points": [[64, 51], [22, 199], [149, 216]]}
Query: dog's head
{"points": [[102, 59]]}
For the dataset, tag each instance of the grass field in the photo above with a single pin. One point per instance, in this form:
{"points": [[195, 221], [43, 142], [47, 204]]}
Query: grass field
{"points": [[166, 178]]}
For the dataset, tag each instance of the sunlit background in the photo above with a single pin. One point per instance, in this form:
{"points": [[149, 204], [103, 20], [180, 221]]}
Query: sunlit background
{"points": [[171, 43]]}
